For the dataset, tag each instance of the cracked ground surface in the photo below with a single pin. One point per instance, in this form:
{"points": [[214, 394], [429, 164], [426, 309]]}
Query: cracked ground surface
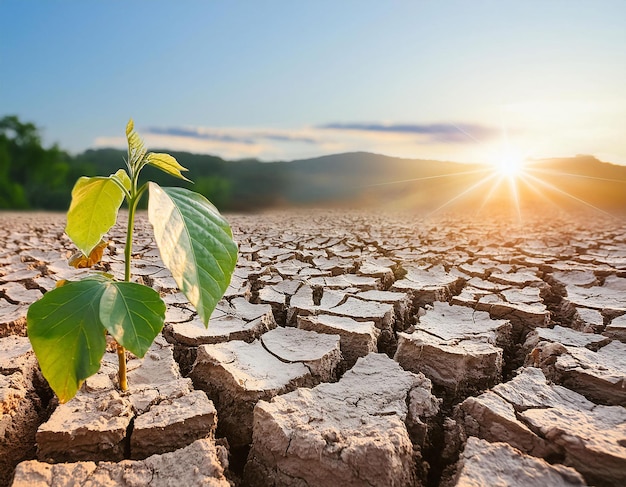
{"points": [[514, 331]]}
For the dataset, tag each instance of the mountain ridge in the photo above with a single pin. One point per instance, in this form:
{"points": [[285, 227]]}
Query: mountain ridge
{"points": [[376, 180]]}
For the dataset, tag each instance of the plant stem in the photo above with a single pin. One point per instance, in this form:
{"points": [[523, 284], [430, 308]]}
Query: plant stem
{"points": [[121, 360], [128, 250]]}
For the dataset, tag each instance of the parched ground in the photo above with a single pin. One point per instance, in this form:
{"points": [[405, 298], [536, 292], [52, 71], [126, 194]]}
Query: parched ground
{"points": [[352, 348]]}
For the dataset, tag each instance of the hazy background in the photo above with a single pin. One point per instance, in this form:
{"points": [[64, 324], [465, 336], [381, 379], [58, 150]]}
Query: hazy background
{"points": [[456, 81]]}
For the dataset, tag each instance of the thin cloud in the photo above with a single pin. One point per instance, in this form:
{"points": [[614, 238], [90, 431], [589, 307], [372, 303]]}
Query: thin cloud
{"points": [[197, 133], [446, 141], [288, 138], [434, 132], [238, 136]]}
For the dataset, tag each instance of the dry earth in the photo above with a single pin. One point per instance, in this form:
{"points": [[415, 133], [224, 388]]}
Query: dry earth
{"points": [[351, 349]]}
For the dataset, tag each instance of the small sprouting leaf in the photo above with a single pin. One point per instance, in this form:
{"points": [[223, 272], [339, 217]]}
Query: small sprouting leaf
{"points": [[93, 211], [195, 243], [81, 261], [67, 336], [166, 163], [136, 147], [133, 314]]}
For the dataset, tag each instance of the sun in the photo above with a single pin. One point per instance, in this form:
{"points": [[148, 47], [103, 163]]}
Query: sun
{"points": [[508, 173], [509, 165]]}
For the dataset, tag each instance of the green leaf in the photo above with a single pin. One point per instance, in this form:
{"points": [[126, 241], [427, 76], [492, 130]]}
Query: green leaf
{"points": [[195, 243], [166, 163], [67, 336], [122, 177], [133, 314], [93, 211]]}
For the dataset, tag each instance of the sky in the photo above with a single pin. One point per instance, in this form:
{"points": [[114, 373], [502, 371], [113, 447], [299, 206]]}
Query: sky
{"points": [[466, 81]]}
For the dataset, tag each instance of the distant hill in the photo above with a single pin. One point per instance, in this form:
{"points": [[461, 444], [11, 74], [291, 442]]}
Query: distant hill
{"points": [[581, 181], [378, 181]]}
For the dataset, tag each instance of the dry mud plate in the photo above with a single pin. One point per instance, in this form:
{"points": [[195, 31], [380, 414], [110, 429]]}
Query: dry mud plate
{"points": [[350, 349]]}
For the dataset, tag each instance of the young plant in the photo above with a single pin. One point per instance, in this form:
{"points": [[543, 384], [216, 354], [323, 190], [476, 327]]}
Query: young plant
{"points": [[67, 327]]}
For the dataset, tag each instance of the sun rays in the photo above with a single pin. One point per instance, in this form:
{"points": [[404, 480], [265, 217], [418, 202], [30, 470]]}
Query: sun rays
{"points": [[513, 177], [510, 182], [517, 179]]}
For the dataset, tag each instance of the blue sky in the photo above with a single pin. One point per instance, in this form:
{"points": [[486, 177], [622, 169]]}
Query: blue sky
{"points": [[457, 80]]}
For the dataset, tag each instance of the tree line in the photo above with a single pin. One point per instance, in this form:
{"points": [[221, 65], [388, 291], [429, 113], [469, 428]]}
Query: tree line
{"points": [[32, 176], [35, 177]]}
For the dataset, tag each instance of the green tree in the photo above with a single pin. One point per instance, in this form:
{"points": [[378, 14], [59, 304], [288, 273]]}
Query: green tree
{"points": [[32, 176], [216, 189], [11, 193]]}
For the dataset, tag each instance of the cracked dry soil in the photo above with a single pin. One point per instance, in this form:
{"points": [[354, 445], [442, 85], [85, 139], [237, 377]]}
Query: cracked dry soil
{"points": [[351, 348]]}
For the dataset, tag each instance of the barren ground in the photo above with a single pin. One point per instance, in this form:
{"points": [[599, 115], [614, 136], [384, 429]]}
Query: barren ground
{"points": [[351, 349]]}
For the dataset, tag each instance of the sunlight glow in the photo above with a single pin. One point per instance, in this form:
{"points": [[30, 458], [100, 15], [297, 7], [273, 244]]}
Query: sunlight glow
{"points": [[510, 180], [509, 165]]}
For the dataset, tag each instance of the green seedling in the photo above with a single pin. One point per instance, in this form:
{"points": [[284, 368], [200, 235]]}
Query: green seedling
{"points": [[67, 327]]}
